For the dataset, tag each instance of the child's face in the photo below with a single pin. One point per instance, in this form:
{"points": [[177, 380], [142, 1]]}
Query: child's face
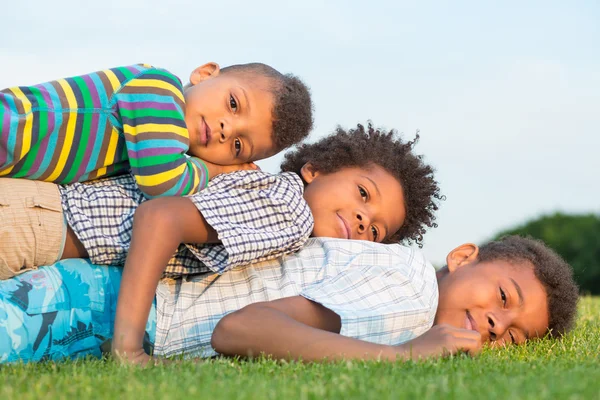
{"points": [[354, 203], [505, 303], [229, 116]]}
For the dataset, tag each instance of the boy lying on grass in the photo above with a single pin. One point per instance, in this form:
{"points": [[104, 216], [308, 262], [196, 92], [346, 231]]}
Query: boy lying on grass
{"points": [[136, 119], [333, 299]]}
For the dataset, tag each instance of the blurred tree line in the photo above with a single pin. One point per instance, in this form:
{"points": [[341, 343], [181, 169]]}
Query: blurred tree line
{"points": [[575, 237]]}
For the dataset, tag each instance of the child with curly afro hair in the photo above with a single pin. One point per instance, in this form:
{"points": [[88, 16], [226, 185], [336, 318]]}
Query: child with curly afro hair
{"points": [[355, 206]]}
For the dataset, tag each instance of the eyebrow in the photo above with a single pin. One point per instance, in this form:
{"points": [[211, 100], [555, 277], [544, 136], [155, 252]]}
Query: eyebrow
{"points": [[248, 138], [374, 184], [387, 229], [519, 291], [245, 98], [521, 301], [251, 155]]}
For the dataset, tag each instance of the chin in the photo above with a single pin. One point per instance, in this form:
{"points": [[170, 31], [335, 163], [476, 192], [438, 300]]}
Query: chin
{"points": [[320, 233], [196, 151]]}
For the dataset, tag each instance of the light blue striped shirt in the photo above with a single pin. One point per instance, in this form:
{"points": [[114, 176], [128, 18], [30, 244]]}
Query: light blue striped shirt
{"points": [[384, 294]]}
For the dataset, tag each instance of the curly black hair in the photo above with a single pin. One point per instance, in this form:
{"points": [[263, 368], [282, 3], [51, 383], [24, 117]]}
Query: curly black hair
{"points": [[362, 147], [555, 274], [293, 108]]}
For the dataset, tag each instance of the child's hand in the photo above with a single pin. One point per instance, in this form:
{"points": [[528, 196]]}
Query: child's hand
{"points": [[214, 169], [138, 357], [444, 340]]}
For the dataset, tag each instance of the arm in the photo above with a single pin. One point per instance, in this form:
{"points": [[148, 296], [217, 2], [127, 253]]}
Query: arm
{"points": [[157, 138], [151, 107], [296, 327], [159, 227], [267, 211]]}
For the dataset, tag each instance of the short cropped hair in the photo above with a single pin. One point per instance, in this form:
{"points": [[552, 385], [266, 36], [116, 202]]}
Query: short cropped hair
{"points": [[361, 148], [554, 273], [293, 108]]}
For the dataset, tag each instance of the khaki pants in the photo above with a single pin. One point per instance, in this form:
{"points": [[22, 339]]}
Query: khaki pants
{"points": [[32, 227]]}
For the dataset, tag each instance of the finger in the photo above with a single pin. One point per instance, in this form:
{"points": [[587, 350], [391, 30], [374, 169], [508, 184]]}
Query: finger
{"points": [[470, 346], [474, 352], [457, 344], [464, 333], [468, 334]]}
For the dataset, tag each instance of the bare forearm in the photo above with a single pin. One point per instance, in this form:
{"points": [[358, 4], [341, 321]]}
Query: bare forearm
{"points": [[144, 266], [159, 227], [261, 329], [297, 328]]}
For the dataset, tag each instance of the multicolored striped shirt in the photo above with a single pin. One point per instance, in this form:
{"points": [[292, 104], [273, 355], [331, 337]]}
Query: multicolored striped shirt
{"points": [[98, 125]]}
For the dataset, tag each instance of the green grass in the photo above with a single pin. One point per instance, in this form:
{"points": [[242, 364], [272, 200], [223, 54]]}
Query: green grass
{"points": [[548, 369]]}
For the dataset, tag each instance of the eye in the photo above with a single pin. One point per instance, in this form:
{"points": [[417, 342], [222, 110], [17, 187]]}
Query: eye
{"points": [[233, 104], [237, 143], [503, 296], [363, 193], [375, 233]]}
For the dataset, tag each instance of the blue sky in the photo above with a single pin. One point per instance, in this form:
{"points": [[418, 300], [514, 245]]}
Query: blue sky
{"points": [[506, 95]]}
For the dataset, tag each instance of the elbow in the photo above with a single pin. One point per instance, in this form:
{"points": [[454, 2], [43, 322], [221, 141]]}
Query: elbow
{"points": [[152, 192], [230, 335], [152, 215], [223, 339]]}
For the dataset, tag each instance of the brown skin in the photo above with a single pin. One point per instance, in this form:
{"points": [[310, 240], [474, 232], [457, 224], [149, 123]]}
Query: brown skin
{"points": [[310, 331], [229, 118], [160, 225], [354, 203], [294, 328], [307, 330], [506, 303], [73, 247]]}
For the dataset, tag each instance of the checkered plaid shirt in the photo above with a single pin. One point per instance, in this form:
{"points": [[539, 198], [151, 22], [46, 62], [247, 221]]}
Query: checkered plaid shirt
{"points": [[385, 294], [256, 215]]}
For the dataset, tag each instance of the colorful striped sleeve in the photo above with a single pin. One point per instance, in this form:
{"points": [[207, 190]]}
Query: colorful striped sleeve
{"points": [[151, 110]]}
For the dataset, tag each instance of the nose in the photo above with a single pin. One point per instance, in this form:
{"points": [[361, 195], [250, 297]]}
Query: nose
{"points": [[226, 131], [363, 221], [498, 323]]}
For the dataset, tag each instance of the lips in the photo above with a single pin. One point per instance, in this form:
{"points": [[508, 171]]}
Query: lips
{"points": [[205, 133], [344, 226], [470, 323]]}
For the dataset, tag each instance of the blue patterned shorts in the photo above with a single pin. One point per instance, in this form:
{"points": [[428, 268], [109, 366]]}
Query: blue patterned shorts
{"points": [[66, 310]]}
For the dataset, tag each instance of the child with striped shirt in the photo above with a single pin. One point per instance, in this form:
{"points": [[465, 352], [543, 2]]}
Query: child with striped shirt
{"points": [[139, 120]]}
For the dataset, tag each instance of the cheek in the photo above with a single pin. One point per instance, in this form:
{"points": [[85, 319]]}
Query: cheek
{"points": [[466, 293]]}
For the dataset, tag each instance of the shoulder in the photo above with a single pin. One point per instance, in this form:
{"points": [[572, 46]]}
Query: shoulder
{"points": [[293, 180], [365, 281], [147, 76], [258, 180], [277, 195], [161, 74], [285, 189], [398, 263]]}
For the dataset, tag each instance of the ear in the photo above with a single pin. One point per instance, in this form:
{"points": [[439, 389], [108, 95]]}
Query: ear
{"points": [[203, 72], [462, 255], [308, 172]]}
